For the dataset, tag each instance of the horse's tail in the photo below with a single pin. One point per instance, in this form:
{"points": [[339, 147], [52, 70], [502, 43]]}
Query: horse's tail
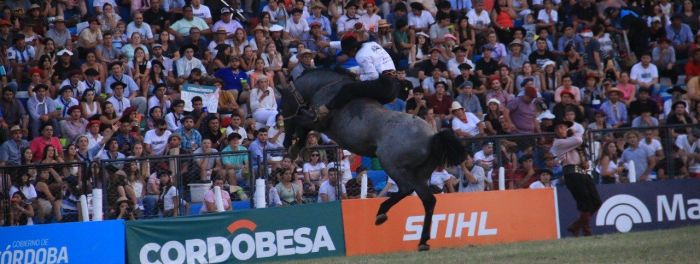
{"points": [[446, 148]]}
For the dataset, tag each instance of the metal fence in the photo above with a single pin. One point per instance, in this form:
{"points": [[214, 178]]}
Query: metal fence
{"points": [[43, 193], [52, 191]]}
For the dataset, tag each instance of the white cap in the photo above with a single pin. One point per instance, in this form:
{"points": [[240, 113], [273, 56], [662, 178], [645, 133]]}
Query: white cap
{"points": [[494, 100], [545, 115], [64, 51], [275, 28]]}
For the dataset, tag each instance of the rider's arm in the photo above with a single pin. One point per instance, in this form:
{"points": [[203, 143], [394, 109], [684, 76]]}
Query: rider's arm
{"points": [[367, 69]]}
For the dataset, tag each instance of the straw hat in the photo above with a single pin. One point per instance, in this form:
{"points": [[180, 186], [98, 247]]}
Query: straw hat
{"points": [[456, 106], [383, 23], [613, 90]]}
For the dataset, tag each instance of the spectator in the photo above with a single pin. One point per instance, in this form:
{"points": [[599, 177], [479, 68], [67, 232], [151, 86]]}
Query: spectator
{"points": [[42, 110], [664, 55], [14, 112], [488, 65], [644, 160], [174, 118], [645, 74], [440, 101], [234, 164], [328, 190], [429, 65], [516, 58], [522, 112], [289, 193], [75, 125], [649, 141], [420, 51], [419, 18], [169, 200], [496, 122], [465, 124], [354, 186], [260, 144], [680, 116], [677, 95], [680, 35], [643, 103], [38, 144], [455, 64], [10, 150], [442, 181], [567, 86], [181, 28], [21, 210], [545, 180], [191, 138], [187, 63], [263, 103], [209, 199], [614, 109], [497, 92], [471, 177], [479, 18], [156, 138], [645, 119], [211, 129], [468, 99], [124, 210], [210, 164], [486, 159]]}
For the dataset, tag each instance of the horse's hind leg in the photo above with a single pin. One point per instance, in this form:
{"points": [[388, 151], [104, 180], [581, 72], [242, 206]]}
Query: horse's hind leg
{"points": [[429, 201]]}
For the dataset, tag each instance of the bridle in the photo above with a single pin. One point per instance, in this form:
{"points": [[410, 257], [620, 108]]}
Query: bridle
{"points": [[299, 99]]}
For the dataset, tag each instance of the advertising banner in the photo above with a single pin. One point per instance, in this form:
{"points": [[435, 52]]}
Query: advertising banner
{"points": [[88, 242], [209, 94], [459, 219], [637, 206], [303, 231]]}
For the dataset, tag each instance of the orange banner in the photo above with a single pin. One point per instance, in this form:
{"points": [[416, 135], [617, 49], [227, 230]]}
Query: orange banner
{"points": [[459, 219]]}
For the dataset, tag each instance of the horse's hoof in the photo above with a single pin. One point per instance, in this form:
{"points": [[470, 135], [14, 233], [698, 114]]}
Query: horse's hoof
{"points": [[423, 247], [381, 218]]}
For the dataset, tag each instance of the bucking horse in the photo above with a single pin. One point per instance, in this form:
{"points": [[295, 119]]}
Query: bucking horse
{"points": [[407, 147]]}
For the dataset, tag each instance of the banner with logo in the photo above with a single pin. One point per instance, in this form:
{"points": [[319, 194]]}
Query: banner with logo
{"points": [[89, 242], [209, 94], [459, 219], [296, 232], [637, 206]]}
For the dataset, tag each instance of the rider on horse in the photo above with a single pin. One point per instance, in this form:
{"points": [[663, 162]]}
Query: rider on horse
{"points": [[374, 63]]}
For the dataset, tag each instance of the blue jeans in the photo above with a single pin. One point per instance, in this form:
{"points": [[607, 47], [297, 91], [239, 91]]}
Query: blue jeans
{"points": [[150, 206]]}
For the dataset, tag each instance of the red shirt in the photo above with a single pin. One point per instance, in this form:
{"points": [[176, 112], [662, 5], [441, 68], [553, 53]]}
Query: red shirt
{"points": [[691, 70], [520, 174], [441, 106], [38, 144]]}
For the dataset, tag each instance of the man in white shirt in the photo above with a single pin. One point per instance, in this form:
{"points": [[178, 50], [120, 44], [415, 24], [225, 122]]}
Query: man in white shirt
{"points": [[327, 192], [157, 138], [141, 27], [188, 62], [296, 27], [181, 28], [347, 21], [465, 124], [118, 100], [64, 101], [374, 62], [131, 89], [230, 25], [201, 11], [644, 73], [479, 18], [419, 18]]}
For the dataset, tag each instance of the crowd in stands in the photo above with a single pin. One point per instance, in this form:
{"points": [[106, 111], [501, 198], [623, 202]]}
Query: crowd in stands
{"points": [[102, 80]]}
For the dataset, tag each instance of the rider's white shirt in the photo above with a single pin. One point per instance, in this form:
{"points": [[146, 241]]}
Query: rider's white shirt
{"points": [[373, 60]]}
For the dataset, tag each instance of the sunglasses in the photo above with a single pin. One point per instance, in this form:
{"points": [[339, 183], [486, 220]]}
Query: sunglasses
{"points": [[314, 155]]}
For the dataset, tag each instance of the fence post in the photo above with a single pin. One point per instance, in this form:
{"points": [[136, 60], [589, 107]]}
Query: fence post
{"points": [[97, 204], [501, 178], [260, 193], [631, 172], [84, 208], [218, 200]]}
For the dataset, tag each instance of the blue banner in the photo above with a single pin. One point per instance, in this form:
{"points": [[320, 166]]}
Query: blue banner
{"points": [[89, 242], [637, 206]]}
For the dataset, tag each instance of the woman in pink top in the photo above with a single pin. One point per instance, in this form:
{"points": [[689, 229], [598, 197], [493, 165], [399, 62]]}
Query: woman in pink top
{"points": [[628, 90], [209, 203]]}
